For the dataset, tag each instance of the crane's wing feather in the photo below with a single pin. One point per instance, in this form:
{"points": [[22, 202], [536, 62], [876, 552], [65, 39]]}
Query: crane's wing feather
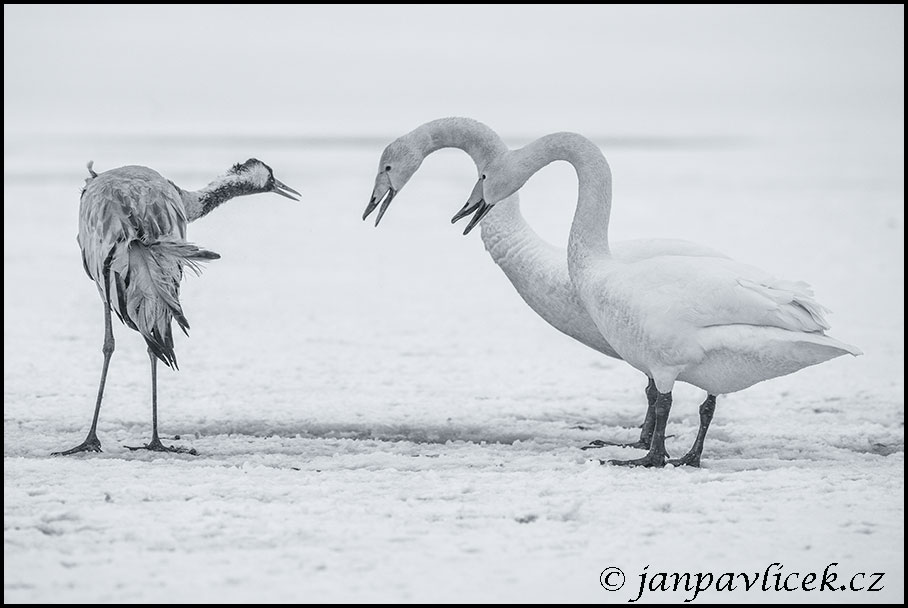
{"points": [[132, 232]]}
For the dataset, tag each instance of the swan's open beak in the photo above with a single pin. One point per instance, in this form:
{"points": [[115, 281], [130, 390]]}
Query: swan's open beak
{"points": [[285, 190], [383, 194], [474, 203]]}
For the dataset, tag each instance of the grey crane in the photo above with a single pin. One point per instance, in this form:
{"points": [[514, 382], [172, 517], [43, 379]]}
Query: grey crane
{"points": [[132, 232]]}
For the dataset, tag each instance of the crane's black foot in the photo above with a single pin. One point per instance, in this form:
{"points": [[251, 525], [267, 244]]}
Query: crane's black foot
{"points": [[651, 459], [691, 459], [155, 445], [599, 443], [91, 444]]}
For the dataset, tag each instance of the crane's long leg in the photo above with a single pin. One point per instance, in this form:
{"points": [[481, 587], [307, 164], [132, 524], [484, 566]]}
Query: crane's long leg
{"points": [[91, 443], [656, 455], [155, 444], [646, 430], [692, 458]]}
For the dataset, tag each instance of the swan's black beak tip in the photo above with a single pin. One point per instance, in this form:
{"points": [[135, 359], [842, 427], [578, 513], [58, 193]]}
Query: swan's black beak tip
{"points": [[385, 201], [466, 210], [481, 210], [384, 206], [369, 208]]}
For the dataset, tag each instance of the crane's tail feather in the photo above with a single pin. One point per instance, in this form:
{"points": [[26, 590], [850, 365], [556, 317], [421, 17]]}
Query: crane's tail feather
{"points": [[189, 255], [146, 279]]}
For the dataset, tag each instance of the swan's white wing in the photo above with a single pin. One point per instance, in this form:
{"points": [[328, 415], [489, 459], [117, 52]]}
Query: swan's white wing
{"points": [[696, 292], [793, 299]]}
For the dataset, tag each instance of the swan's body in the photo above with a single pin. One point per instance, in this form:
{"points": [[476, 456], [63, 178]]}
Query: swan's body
{"points": [[717, 324], [132, 233], [712, 322]]}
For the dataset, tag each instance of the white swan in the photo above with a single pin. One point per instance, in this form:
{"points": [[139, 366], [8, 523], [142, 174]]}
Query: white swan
{"points": [[708, 321], [537, 269]]}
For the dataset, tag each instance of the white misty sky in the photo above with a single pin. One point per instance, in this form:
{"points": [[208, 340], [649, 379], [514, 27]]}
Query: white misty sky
{"points": [[376, 70]]}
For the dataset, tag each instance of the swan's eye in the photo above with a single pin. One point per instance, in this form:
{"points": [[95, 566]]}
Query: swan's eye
{"points": [[483, 176], [388, 168]]}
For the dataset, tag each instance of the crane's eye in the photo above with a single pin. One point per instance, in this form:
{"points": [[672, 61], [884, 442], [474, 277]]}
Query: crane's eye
{"points": [[388, 168], [483, 176]]}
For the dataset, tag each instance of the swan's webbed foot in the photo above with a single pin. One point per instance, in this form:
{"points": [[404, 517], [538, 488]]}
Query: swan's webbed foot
{"points": [[640, 444], [652, 459], [647, 427], [155, 445], [657, 454], [91, 444], [599, 443], [691, 459]]}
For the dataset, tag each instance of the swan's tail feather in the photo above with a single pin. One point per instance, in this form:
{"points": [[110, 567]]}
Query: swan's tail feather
{"points": [[146, 281], [848, 348], [742, 355], [795, 301]]}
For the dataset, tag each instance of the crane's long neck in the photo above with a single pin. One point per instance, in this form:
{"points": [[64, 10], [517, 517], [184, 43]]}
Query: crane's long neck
{"points": [[589, 231], [199, 203], [504, 230]]}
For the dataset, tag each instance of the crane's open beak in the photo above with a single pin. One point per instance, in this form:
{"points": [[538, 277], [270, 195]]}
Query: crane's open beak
{"points": [[474, 203], [383, 194], [285, 190]]}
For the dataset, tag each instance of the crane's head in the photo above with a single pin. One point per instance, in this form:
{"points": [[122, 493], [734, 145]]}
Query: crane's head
{"points": [[258, 177], [495, 184], [398, 163]]}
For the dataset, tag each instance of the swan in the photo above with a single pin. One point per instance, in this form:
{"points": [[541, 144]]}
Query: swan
{"points": [[536, 268], [709, 321]]}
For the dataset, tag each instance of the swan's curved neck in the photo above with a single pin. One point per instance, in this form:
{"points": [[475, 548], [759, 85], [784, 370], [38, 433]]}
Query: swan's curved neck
{"points": [[589, 232], [504, 226], [536, 269], [476, 139], [199, 203]]}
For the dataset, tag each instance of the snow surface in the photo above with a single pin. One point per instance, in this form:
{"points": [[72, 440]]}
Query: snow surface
{"points": [[380, 417]]}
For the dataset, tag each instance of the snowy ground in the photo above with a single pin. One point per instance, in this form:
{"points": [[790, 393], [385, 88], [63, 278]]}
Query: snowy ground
{"points": [[379, 416]]}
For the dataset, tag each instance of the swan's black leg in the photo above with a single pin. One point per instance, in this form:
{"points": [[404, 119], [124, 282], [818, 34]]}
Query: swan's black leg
{"points": [[155, 444], [646, 429], [656, 455], [649, 422], [692, 458]]}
